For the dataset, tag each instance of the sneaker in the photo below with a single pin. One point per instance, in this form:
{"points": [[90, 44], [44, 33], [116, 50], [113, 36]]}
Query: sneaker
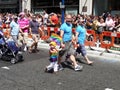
{"points": [[66, 62], [49, 70], [46, 70], [60, 68], [78, 68]]}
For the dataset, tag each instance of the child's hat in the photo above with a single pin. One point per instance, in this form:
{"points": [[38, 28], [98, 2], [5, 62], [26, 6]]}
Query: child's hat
{"points": [[53, 43]]}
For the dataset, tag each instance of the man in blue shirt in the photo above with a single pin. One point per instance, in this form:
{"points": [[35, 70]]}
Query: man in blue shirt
{"points": [[80, 37], [14, 31], [66, 44]]}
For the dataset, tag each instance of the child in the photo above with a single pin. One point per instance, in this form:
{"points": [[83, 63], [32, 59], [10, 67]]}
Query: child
{"points": [[53, 58]]}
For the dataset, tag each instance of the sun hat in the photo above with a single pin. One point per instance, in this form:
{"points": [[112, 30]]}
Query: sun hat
{"points": [[21, 13], [53, 43]]}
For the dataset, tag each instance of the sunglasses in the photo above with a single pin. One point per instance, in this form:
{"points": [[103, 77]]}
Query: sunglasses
{"points": [[68, 19]]}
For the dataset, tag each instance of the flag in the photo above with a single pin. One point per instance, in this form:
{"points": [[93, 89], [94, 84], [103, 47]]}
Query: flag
{"points": [[55, 38]]}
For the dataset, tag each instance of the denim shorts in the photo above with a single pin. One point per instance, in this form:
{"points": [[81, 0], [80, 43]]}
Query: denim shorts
{"points": [[81, 49]]}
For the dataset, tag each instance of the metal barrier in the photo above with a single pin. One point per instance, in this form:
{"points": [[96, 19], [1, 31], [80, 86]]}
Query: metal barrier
{"points": [[109, 42], [90, 41], [107, 39], [46, 32]]}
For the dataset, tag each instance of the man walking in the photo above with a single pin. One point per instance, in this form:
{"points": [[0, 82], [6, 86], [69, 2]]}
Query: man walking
{"points": [[66, 44]]}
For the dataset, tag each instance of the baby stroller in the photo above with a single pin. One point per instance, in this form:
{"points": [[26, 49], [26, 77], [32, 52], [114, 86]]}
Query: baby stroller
{"points": [[9, 51]]}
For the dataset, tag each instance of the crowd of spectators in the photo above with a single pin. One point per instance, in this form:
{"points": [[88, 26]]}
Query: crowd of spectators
{"points": [[107, 21], [104, 22]]}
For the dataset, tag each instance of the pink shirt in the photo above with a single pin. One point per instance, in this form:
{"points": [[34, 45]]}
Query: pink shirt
{"points": [[22, 23]]}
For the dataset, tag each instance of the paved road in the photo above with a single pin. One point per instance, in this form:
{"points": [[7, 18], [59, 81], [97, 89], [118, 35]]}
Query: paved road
{"points": [[30, 75]]}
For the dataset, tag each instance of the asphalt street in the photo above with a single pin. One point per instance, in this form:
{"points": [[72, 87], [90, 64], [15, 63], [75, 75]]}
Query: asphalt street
{"points": [[104, 74]]}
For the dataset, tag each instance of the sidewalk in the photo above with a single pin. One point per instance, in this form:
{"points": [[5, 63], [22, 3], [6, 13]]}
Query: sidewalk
{"points": [[101, 52], [93, 51]]}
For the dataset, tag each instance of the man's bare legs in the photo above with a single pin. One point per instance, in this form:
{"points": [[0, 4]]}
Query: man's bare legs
{"points": [[34, 44], [72, 58], [88, 61]]}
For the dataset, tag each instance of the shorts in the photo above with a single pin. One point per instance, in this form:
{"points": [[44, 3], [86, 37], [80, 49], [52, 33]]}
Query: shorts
{"points": [[35, 37], [15, 38], [81, 49], [23, 37], [53, 59], [68, 50]]}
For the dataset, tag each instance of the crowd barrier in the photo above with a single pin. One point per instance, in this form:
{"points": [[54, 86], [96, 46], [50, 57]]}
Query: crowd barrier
{"points": [[104, 43], [107, 39], [90, 41], [107, 43], [45, 33]]}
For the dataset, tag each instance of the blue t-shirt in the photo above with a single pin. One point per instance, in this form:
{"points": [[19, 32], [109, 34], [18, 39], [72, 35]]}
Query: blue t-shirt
{"points": [[82, 34], [67, 28], [34, 25], [14, 28]]}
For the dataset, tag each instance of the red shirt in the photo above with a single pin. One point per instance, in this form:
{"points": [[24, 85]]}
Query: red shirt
{"points": [[54, 19]]}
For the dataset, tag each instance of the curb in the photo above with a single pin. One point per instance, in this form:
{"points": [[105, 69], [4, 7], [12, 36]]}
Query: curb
{"points": [[93, 51]]}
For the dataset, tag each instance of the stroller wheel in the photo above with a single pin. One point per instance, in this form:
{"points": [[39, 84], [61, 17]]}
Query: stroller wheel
{"points": [[0, 54], [13, 60], [19, 57]]}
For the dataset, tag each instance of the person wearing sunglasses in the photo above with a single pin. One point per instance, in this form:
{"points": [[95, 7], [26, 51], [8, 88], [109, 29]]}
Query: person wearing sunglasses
{"points": [[66, 44]]}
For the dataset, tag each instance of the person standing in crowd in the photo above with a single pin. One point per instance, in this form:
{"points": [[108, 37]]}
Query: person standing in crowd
{"points": [[24, 26], [39, 19], [117, 24], [45, 18], [0, 20], [80, 38], [34, 32], [95, 23], [6, 28], [68, 48], [100, 27], [89, 23], [0, 23], [45, 22], [109, 23], [14, 31], [54, 19]]}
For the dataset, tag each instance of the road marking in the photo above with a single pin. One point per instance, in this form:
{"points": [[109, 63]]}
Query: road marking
{"points": [[108, 89], [59, 83], [5, 67]]}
